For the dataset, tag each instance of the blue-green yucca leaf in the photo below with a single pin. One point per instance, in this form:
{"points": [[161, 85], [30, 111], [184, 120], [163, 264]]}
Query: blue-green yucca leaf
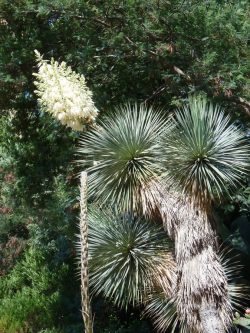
{"points": [[126, 152], [206, 154], [125, 256]]}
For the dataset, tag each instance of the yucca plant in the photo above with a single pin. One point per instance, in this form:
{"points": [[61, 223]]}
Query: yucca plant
{"points": [[132, 150], [206, 157], [128, 257]]}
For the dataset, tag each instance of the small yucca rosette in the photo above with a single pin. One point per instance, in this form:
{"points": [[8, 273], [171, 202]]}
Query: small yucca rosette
{"points": [[64, 94]]}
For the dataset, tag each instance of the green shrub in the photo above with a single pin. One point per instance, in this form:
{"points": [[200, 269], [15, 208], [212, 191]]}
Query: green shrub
{"points": [[29, 294]]}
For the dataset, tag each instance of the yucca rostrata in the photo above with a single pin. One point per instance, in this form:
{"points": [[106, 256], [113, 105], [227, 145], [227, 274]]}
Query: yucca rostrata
{"points": [[134, 150], [206, 157], [139, 155]]}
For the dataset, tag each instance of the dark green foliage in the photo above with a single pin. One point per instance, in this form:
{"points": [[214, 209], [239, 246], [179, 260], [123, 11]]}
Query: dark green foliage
{"points": [[159, 49], [30, 294], [35, 293], [34, 156], [109, 319]]}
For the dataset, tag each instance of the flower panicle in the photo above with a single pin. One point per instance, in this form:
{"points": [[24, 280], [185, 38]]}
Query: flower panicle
{"points": [[64, 94]]}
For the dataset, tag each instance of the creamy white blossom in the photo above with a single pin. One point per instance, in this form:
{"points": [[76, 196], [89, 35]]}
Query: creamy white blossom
{"points": [[64, 94]]}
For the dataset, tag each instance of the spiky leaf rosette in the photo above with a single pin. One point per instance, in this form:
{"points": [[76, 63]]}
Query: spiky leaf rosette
{"points": [[126, 150], [206, 154], [126, 255], [64, 94]]}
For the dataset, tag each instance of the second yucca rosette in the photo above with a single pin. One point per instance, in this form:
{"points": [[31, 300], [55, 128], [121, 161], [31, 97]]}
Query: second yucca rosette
{"points": [[64, 94]]}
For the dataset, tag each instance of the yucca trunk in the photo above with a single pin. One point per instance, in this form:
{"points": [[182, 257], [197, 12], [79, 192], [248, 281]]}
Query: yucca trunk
{"points": [[201, 290], [86, 307], [210, 320]]}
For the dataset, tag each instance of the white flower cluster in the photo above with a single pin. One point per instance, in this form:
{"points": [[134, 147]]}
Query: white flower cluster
{"points": [[64, 94]]}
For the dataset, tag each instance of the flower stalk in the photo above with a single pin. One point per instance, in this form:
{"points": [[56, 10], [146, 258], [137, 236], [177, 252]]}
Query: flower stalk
{"points": [[86, 306]]}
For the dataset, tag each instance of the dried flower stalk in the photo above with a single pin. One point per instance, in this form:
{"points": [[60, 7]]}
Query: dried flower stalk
{"points": [[86, 307]]}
